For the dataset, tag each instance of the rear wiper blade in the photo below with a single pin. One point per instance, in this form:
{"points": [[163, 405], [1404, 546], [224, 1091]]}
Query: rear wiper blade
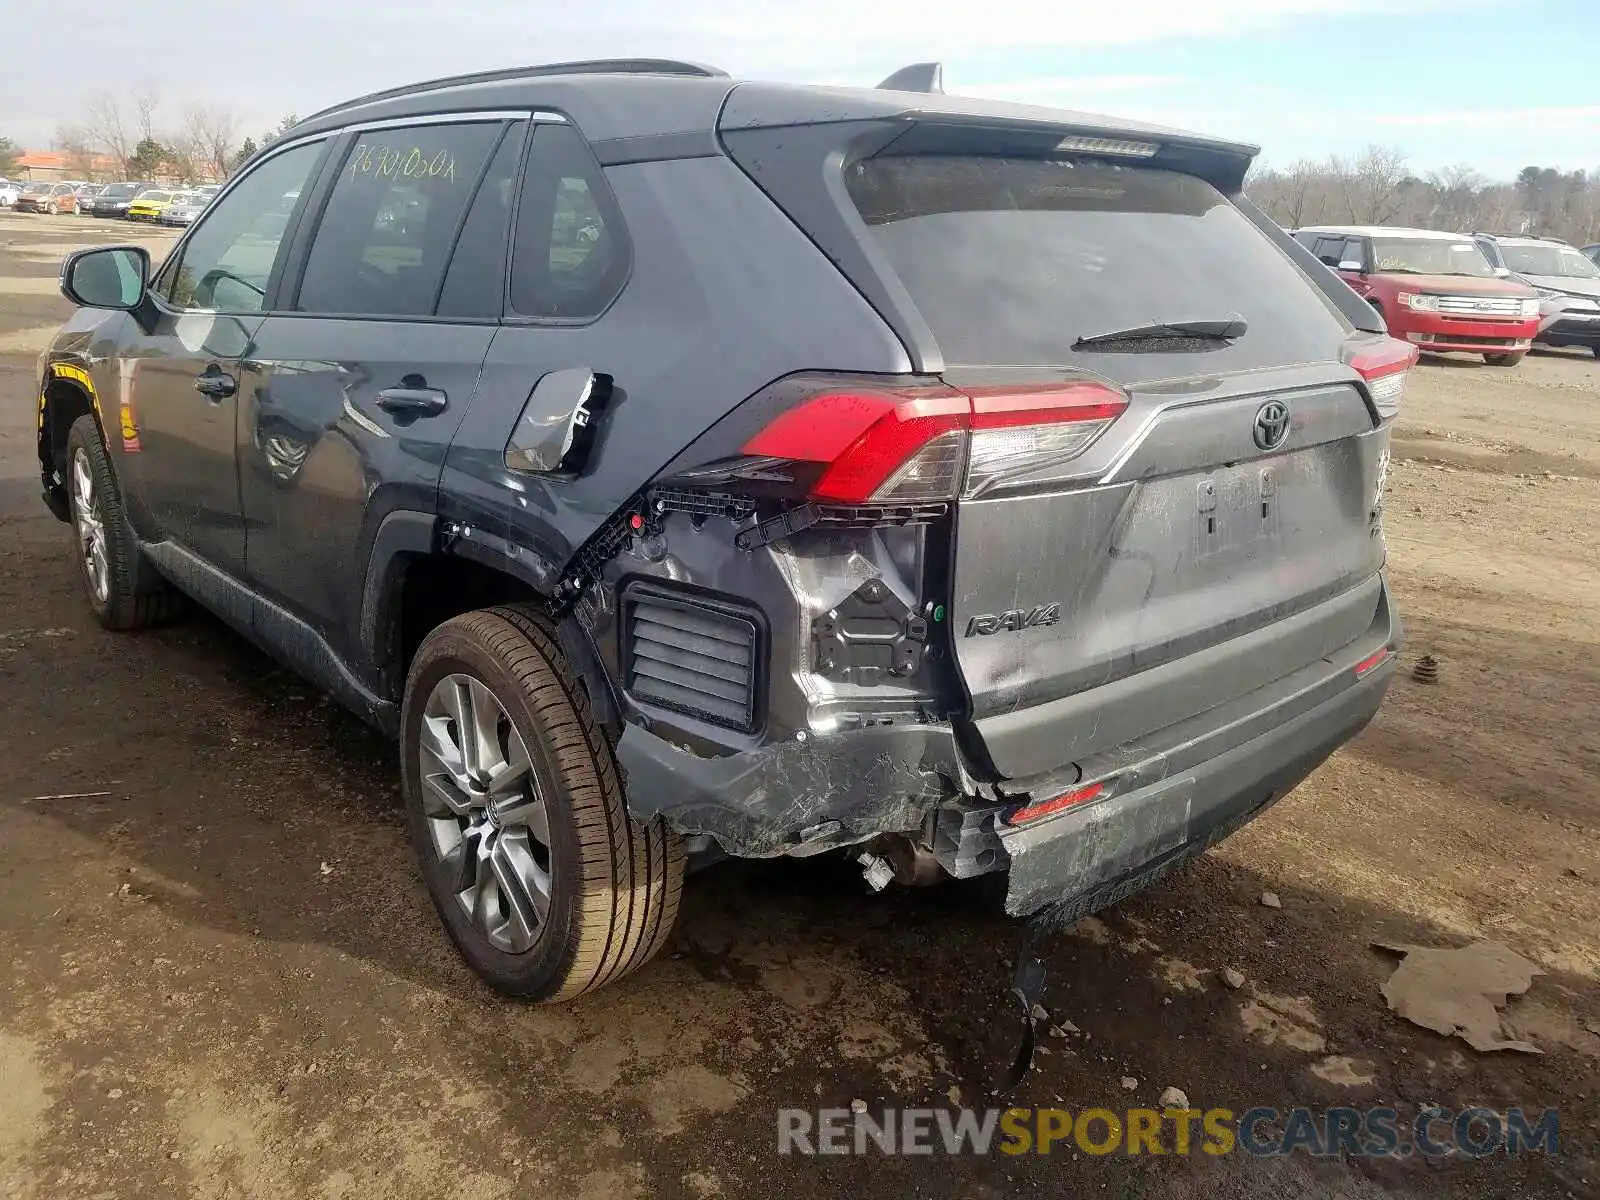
{"points": [[1225, 330]]}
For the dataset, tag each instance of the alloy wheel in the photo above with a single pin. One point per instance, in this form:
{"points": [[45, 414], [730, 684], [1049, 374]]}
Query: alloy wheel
{"points": [[91, 526], [489, 824]]}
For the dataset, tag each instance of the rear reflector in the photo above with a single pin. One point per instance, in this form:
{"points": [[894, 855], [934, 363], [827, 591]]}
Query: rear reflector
{"points": [[1045, 808], [1373, 661], [1383, 365], [895, 446]]}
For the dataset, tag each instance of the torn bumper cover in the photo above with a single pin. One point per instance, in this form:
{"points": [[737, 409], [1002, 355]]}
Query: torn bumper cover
{"points": [[799, 796]]}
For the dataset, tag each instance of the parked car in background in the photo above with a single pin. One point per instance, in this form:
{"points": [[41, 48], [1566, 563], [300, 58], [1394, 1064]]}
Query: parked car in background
{"points": [[114, 198], [641, 558], [1593, 253], [1435, 290], [183, 208], [1567, 281], [8, 193], [84, 194], [149, 204], [43, 197]]}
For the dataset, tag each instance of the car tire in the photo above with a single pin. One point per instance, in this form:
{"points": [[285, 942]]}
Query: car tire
{"points": [[545, 884], [1503, 360], [123, 589]]}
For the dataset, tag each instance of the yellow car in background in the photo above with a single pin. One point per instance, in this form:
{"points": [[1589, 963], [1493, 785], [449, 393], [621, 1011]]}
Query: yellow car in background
{"points": [[149, 205]]}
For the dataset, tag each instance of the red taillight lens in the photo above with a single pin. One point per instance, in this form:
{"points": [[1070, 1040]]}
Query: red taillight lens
{"points": [[913, 445], [883, 446], [1383, 364]]}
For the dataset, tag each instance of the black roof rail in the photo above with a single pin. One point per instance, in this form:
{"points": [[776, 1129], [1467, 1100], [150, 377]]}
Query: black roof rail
{"points": [[918, 77], [593, 66]]}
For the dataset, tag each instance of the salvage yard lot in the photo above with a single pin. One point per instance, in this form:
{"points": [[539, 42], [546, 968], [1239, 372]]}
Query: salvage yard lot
{"points": [[220, 974]]}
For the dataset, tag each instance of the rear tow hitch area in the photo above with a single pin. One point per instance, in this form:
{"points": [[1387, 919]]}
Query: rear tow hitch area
{"points": [[1027, 989]]}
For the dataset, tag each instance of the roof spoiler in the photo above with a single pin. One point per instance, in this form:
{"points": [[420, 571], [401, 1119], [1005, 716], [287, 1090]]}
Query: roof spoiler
{"points": [[918, 77]]}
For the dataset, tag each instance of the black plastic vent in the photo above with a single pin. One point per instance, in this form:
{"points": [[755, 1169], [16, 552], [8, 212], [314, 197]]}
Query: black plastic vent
{"points": [[692, 654]]}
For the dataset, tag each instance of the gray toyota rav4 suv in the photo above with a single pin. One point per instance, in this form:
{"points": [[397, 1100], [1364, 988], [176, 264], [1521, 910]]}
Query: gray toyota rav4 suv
{"points": [[683, 468]]}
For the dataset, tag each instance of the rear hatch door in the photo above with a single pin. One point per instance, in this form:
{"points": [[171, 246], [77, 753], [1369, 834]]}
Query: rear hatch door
{"points": [[1234, 496]]}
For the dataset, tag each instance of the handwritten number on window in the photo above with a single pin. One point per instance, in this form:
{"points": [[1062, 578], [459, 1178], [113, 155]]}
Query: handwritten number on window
{"points": [[401, 162]]}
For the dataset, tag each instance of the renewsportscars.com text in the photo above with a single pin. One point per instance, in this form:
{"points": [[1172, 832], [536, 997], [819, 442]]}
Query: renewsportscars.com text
{"points": [[1258, 1132]]}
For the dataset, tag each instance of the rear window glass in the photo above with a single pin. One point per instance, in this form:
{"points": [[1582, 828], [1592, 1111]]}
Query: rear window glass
{"points": [[1010, 261]]}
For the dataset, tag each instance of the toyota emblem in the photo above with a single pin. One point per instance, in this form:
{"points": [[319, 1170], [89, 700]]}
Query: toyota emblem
{"points": [[1272, 424]]}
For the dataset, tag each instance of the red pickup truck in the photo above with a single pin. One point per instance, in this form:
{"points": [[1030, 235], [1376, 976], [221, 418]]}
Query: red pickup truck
{"points": [[1436, 290]]}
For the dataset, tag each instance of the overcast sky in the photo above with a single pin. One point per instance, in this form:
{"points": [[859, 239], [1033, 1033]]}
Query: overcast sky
{"points": [[1495, 83]]}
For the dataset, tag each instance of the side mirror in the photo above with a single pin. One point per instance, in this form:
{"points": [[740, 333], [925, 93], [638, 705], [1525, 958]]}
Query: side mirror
{"points": [[1350, 265], [107, 277]]}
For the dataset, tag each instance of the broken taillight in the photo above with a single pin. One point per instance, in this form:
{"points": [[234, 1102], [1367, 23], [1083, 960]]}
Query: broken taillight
{"points": [[934, 443]]}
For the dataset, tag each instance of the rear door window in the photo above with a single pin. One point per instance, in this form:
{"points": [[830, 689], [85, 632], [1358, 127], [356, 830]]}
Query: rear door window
{"points": [[1011, 261], [392, 218], [474, 285]]}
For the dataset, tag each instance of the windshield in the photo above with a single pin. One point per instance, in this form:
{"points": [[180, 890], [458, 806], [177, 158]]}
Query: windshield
{"points": [[1430, 256], [35, 189], [1560, 261], [154, 195], [1012, 261], [119, 191]]}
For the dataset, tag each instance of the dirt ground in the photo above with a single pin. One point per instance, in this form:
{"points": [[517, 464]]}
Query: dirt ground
{"points": [[223, 977]]}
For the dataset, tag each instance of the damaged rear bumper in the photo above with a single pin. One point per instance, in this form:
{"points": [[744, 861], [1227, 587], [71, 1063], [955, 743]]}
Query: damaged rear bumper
{"points": [[1086, 859], [1165, 796]]}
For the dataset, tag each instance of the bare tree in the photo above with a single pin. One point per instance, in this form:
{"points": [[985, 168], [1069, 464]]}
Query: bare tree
{"points": [[208, 137], [183, 159], [1373, 184], [77, 144], [145, 103], [107, 129]]}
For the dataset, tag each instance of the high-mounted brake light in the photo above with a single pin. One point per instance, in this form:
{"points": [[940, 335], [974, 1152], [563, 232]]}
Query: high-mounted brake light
{"points": [[910, 446], [1384, 364], [1121, 147]]}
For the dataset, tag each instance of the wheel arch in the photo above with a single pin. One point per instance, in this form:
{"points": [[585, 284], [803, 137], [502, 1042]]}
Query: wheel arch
{"points": [[417, 579], [66, 393]]}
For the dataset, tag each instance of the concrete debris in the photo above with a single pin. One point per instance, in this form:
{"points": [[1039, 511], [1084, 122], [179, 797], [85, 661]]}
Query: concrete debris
{"points": [[1270, 900], [1232, 978], [1458, 992], [1174, 1098], [1129, 1082], [858, 1106]]}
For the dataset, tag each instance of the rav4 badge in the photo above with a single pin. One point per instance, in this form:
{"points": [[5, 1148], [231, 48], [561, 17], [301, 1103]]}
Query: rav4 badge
{"points": [[1014, 619]]}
